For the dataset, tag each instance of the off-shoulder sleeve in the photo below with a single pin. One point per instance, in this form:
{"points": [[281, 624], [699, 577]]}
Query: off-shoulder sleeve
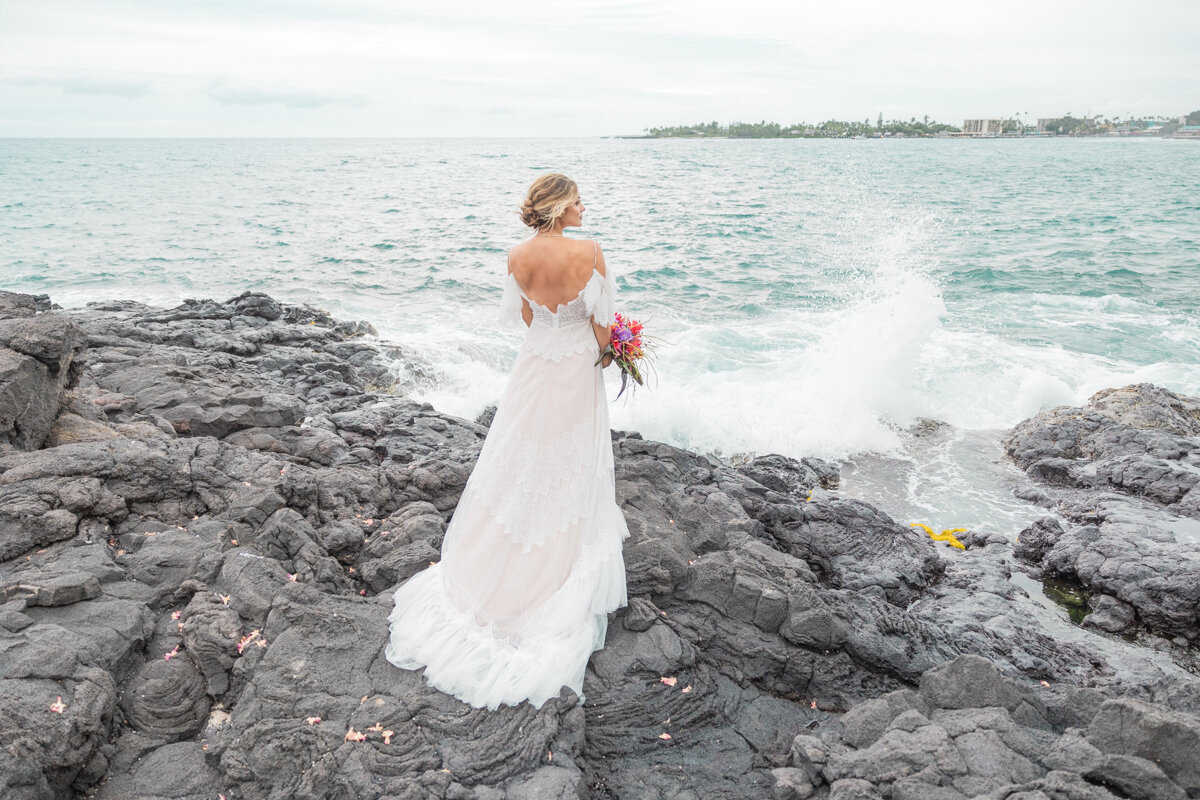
{"points": [[600, 298], [510, 304]]}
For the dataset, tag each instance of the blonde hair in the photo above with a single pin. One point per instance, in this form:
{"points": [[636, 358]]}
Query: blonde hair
{"points": [[547, 199]]}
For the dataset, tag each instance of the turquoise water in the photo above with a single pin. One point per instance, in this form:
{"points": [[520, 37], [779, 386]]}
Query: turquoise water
{"points": [[813, 297]]}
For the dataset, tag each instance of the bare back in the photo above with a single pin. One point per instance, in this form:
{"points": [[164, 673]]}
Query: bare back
{"points": [[553, 271]]}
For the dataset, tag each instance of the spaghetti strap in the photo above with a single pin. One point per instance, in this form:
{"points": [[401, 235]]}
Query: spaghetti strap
{"points": [[595, 254]]}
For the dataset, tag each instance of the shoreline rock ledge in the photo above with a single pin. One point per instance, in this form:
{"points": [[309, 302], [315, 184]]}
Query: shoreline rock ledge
{"points": [[204, 511]]}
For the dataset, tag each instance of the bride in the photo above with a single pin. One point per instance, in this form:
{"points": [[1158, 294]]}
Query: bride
{"points": [[531, 562]]}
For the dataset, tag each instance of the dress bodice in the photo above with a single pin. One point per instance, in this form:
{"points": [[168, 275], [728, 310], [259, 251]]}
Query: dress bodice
{"points": [[566, 331], [595, 301], [574, 312]]}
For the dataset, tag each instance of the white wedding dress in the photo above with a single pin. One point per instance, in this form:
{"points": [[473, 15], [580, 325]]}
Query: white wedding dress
{"points": [[531, 562]]}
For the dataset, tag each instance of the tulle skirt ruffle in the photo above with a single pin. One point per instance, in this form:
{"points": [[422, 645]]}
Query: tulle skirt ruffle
{"points": [[486, 667]]}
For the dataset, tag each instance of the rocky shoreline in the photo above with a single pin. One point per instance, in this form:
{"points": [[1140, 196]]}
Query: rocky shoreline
{"points": [[203, 512]]}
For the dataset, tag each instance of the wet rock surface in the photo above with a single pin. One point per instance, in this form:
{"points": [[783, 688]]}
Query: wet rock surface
{"points": [[197, 560], [1123, 476]]}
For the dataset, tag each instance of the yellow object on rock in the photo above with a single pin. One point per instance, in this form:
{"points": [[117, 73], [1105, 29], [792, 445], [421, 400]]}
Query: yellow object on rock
{"points": [[946, 535]]}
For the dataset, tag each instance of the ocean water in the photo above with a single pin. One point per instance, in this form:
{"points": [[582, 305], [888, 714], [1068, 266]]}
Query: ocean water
{"points": [[892, 305]]}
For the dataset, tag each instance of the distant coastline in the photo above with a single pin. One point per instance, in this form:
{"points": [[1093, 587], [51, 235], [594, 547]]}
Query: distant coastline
{"points": [[1184, 126]]}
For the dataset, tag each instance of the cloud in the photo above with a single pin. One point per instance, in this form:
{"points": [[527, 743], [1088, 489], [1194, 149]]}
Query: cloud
{"points": [[113, 86], [291, 97], [117, 87], [677, 91]]}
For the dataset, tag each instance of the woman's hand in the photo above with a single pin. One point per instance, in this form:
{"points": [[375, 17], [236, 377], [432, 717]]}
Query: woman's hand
{"points": [[603, 338], [606, 358]]}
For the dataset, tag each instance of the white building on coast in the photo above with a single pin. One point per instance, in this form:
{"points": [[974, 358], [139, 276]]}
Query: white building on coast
{"points": [[981, 127]]}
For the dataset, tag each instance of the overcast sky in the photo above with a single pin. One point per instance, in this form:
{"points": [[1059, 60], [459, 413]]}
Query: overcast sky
{"points": [[491, 68]]}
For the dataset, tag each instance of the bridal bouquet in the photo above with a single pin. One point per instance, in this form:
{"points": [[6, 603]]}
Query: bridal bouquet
{"points": [[629, 349]]}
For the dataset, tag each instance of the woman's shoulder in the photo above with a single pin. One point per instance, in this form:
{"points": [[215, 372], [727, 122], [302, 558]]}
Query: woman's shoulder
{"points": [[586, 253], [579, 242], [535, 253], [588, 257]]}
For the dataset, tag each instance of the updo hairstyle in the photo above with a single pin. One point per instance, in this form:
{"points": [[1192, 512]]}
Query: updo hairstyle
{"points": [[547, 199]]}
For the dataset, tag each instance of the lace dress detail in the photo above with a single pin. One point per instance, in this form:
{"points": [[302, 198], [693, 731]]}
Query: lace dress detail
{"points": [[551, 495], [568, 332], [531, 561]]}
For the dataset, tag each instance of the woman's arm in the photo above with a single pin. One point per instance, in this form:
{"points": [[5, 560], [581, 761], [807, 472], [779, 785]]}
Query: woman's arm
{"points": [[526, 311], [603, 332], [603, 335]]}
